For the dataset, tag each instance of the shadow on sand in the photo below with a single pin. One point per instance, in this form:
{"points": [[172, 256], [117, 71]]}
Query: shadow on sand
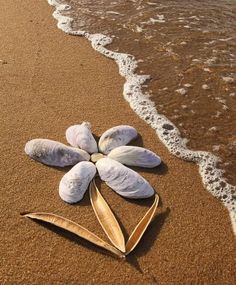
{"points": [[142, 248], [151, 234]]}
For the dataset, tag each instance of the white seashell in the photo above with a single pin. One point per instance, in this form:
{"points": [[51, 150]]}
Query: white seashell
{"points": [[81, 136], [123, 180], [117, 136], [74, 183], [135, 156], [54, 153]]}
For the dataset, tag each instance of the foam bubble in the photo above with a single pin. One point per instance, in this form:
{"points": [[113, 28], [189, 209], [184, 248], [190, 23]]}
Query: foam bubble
{"points": [[168, 133], [228, 79], [181, 91]]}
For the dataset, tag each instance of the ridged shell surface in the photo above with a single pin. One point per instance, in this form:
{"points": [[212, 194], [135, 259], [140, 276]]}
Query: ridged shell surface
{"points": [[123, 180], [116, 136], [135, 156], [81, 136], [74, 183], [54, 153]]}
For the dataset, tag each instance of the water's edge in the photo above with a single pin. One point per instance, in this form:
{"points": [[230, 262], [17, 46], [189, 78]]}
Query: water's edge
{"points": [[166, 131]]}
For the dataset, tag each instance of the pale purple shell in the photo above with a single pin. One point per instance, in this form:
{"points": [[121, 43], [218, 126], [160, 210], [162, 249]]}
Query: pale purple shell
{"points": [[123, 180], [74, 183], [54, 153], [135, 156], [116, 136], [81, 136]]}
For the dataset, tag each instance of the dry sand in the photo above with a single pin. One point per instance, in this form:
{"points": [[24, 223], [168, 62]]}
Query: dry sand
{"points": [[50, 80]]}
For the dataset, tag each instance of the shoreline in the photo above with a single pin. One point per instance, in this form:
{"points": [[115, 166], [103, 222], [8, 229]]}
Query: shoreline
{"points": [[212, 177], [50, 82]]}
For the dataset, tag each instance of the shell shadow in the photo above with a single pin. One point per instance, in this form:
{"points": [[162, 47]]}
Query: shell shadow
{"points": [[138, 141], [60, 169], [96, 137], [161, 169], [146, 202], [84, 202]]}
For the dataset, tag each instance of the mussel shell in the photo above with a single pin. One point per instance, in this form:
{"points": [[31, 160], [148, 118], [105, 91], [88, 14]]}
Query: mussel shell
{"points": [[116, 136], [135, 156], [54, 153], [74, 183], [82, 137], [123, 180]]}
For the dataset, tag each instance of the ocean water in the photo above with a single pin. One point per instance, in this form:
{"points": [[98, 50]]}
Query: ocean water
{"points": [[179, 61]]}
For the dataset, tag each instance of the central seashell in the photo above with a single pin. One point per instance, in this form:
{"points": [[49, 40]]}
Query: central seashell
{"points": [[96, 156], [54, 153], [117, 136], [123, 180], [74, 183]]}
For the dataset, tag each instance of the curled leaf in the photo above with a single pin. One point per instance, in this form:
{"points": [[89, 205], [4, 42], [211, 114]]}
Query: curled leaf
{"points": [[141, 227], [106, 218], [74, 228]]}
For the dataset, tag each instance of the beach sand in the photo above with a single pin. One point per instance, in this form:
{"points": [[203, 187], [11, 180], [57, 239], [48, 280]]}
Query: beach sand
{"points": [[49, 81]]}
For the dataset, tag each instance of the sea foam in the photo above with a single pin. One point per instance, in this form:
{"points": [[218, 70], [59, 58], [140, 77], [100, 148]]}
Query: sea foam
{"points": [[168, 133]]}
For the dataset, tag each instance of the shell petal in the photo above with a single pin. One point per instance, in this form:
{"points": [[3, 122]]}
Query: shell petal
{"points": [[74, 183], [123, 180], [135, 156], [81, 136], [116, 136], [54, 153]]}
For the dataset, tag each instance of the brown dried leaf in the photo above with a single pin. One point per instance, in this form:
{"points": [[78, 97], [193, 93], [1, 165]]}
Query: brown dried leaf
{"points": [[106, 218], [141, 227], [73, 228]]}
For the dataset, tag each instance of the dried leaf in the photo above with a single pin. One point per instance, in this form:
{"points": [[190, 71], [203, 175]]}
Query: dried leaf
{"points": [[141, 227], [106, 218], [73, 228]]}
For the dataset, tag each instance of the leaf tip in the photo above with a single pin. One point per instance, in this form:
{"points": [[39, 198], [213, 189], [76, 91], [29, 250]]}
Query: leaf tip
{"points": [[157, 198], [24, 214]]}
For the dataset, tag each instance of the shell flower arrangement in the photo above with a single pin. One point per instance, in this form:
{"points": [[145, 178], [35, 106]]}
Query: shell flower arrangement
{"points": [[109, 159]]}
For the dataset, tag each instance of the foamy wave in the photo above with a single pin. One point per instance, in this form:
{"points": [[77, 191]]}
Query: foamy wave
{"points": [[167, 132]]}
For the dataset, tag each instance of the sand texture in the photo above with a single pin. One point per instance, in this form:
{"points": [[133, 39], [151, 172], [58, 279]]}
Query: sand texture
{"points": [[49, 81]]}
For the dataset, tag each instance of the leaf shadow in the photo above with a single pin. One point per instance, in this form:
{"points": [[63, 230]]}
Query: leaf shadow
{"points": [[74, 238], [142, 248], [124, 231], [96, 137], [154, 229], [141, 202], [148, 240]]}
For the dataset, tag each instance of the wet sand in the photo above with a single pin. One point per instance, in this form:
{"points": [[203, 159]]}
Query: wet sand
{"points": [[49, 81]]}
